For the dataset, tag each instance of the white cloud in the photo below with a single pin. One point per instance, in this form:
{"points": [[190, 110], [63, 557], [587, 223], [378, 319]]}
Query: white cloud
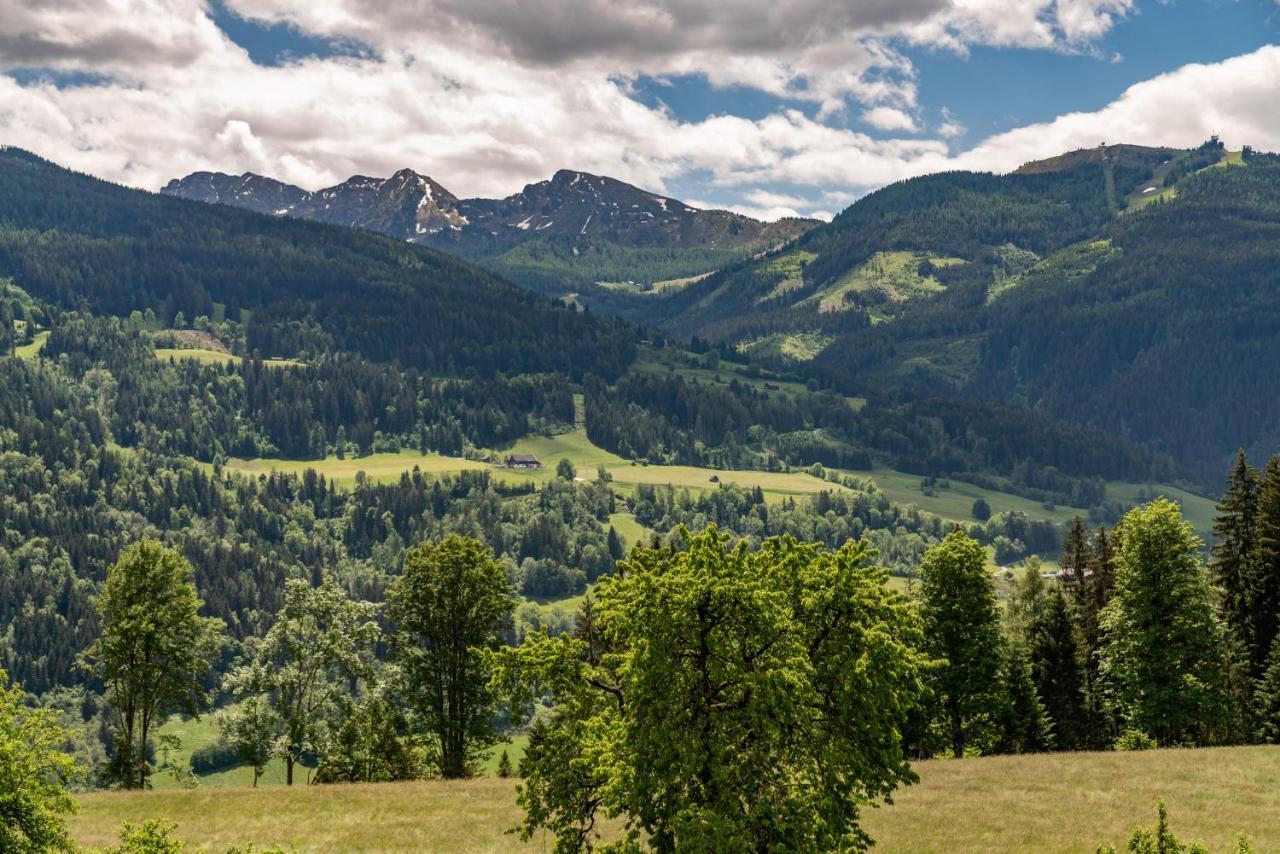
{"points": [[889, 119], [484, 105]]}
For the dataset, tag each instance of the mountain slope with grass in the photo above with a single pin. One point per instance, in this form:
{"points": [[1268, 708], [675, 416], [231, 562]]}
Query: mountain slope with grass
{"points": [[1127, 288]]}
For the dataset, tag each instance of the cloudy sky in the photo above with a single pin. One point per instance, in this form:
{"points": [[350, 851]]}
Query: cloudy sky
{"points": [[771, 107]]}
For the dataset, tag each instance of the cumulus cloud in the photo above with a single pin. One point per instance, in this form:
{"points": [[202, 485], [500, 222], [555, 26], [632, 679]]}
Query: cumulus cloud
{"points": [[487, 99], [889, 119]]}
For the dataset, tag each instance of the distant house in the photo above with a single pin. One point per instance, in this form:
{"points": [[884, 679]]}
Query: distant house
{"points": [[771, 386], [523, 461]]}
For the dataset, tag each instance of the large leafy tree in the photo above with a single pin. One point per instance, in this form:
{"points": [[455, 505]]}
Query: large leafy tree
{"points": [[962, 629], [153, 651], [449, 606], [319, 644], [33, 777], [717, 699], [1162, 659]]}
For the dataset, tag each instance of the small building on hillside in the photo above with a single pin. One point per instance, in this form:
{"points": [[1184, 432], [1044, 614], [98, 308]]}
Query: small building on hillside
{"points": [[771, 386], [523, 461]]}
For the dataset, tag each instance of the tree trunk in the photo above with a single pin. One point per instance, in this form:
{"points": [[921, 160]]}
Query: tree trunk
{"points": [[288, 770]]}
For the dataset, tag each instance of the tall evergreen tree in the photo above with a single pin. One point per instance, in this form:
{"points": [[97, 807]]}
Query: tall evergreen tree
{"points": [[1101, 585], [1264, 568], [1059, 680], [1075, 560], [1267, 699], [1234, 531], [1022, 724], [962, 628]]}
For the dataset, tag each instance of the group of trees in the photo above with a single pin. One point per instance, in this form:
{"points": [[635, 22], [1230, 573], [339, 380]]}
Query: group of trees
{"points": [[340, 403], [710, 694], [672, 419], [312, 689]]}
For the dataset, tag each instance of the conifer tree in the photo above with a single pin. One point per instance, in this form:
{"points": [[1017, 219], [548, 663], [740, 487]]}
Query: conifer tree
{"points": [[1100, 586], [1023, 725], [1075, 560], [1233, 528], [1266, 706], [1059, 680], [1264, 568]]}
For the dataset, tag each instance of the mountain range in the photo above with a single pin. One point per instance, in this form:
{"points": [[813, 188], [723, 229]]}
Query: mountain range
{"points": [[571, 232]]}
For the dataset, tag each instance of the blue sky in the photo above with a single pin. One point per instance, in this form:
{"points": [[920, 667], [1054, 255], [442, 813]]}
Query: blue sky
{"points": [[771, 107]]}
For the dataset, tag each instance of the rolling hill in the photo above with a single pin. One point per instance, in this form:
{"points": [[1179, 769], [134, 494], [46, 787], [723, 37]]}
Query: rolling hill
{"points": [[304, 287], [1131, 289]]}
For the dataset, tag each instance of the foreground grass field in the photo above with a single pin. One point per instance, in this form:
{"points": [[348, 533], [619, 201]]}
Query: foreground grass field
{"points": [[1059, 802]]}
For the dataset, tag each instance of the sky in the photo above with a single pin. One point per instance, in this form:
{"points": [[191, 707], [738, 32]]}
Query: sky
{"points": [[767, 107]]}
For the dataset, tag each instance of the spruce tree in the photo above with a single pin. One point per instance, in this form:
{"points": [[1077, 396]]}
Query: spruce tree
{"points": [[1075, 560], [1266, 707], [1100, 587], [1264, 568], [1022, 724], [1059, 680], [1234, 528]]}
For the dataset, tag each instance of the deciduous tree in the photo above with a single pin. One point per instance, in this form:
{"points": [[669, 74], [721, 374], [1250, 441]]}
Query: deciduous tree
{"points": [[153, 650], [1162, 656], [448, 607], [962, 630], [717, 699]]}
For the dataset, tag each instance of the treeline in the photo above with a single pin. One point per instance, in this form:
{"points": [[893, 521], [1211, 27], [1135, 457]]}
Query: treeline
{"points": [[668, 419], [75, 241], [698, 643], [341, 403]]}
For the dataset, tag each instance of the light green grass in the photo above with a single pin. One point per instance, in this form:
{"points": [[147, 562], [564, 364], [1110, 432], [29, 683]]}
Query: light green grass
{"points": [[378, 467], [1065, 802], [514, 746], [789, 269], [1196, 509], [632, 531], [214, 357], [32, 350], [956, 502], [573, 446], [894, 274]]}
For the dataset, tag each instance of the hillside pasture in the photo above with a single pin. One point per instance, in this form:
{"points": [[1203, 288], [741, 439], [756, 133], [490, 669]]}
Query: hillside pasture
{"points": [[1065, 802]]}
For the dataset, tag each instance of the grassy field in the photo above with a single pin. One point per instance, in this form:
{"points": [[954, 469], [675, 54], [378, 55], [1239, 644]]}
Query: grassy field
{"points": [[574, 446], [954, 502], [1057, 802], [30, 351], [1196, 509], [214, 357]]}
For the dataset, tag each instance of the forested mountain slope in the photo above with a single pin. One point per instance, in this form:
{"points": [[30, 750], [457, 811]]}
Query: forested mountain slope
{"points": [[1132, 289], [304, 287], [569, 232]]}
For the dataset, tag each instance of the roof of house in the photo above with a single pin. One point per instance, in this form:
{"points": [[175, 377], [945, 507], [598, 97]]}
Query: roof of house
{"points": [[521, 458]]}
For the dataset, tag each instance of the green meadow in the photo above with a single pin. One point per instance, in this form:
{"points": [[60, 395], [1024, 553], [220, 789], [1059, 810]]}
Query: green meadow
{"points": [[1063, 802]]}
